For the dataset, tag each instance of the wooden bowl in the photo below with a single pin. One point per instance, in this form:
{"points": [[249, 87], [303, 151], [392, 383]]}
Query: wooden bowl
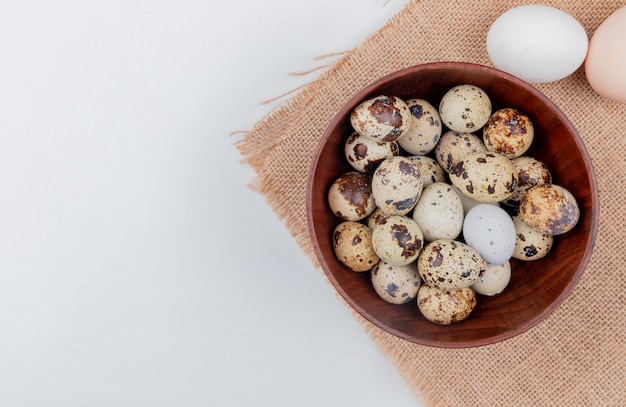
{"points": [[537, 288]]}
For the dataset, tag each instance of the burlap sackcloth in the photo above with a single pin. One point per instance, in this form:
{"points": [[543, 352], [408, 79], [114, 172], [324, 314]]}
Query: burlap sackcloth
{"points": [[577, 357]]}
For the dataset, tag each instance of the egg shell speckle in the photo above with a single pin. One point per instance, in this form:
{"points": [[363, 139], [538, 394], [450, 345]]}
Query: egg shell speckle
{"points": [[530, 244], [453, 146], [549, 209], [383, 118], [364, 153], [445, 307], [449, 265], [508, 132], [490, 230], [396, 284], [485, 177], [530, 172], [429, 168], [465, 108], [425, 129], [439, 212], [352, 243], [398, 240], [396, 186], [350, 196]]}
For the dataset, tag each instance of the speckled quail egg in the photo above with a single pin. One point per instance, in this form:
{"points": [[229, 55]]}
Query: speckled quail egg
{"points": [[445, 307], [449, 264], [468, 203], [425, 129], [508, 132], [350, 196], [376, 218], [429, 169], [383, 118], [439, 212], [550, 209], [398, 240], [465, 108], [529, 243], [495, 279], [364, 153], [454, 145], [490, 230], [352, 242], [530, 172], [396, 185], [485, 177], [396, 284]]}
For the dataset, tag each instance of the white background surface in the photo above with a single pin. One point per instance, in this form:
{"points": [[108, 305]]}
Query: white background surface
{"points": [[136, 266]]}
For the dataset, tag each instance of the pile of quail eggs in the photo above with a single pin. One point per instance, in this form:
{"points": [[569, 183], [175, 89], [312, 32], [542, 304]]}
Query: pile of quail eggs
{"points": [[440, 199]]}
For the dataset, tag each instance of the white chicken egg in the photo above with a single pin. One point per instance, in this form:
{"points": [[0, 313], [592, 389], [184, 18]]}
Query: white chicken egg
{"points": [[490, 231], [537, 43]]}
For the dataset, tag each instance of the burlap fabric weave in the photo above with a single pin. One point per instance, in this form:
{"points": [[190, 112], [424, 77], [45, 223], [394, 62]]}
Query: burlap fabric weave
{"points": [[577, 357]]}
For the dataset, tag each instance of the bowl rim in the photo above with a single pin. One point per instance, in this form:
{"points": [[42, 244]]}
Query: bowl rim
{"points": [[593, 213]]}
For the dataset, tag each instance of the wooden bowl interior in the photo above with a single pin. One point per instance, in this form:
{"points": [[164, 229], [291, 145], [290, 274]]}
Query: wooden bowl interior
{"points": [[537, 287]]}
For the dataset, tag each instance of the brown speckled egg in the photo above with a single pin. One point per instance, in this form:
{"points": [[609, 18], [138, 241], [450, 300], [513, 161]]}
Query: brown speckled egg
{"points": [[350, 196], [530, 172], [485, 177], [364, 153], [465, 108], [429, 169], [529, 243], [439, 212], [549, 209], [396, 284], [383, 118], [508, 132], [449, 265], [454, 145], [398, 240], [396, 185], [445, 307], [425, 129], [352, 242]]}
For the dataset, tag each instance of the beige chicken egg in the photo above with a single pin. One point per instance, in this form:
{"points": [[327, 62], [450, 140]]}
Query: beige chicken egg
{"points": [[425, 129], [465, 108], [530, 172], [396, 284], [448, 264], [508, 132], [398, 240], [350, 196], [383, 118], [549, 209], [352, 243], [454, 145], [485, 177], [364, 153], [439, 212], [445, 307], [396, 185], [530, 244]]}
